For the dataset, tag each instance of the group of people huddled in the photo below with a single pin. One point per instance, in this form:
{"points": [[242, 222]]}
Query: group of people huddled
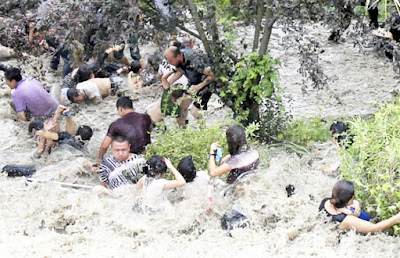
{"points": [[185, 76]]}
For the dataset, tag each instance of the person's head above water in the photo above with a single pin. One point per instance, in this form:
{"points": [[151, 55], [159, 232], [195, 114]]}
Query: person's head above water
{"points": [[85, 132], [120, 148], [135, 66], [174, 56], [236, 138], [13, 76], [156, 166], [35, 125], [340, 134], [342, 193], [83, 74], [75, 96], [124, 105], [187, 169]]}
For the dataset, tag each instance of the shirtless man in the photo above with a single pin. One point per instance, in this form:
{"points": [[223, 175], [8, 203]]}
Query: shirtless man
{"points": [[97, 89]]}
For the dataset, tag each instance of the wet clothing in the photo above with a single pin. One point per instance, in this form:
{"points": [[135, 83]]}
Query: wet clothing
{"points": [[96, 66], [89, 90], [337, 217], [194, 63], [242, 163], [117, 83], [153, 190], [148, 76], [165, 67], [68, 82], [135, 127], [31, 96], [197, 189], [65, 138], [117, 173]]}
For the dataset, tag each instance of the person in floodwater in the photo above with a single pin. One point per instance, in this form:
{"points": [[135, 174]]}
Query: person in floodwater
{"points": [[241, 159], [169, 104], [134, 126], [86, 72], [75, 137], [195, 189], [121, 167], [341, 137], [29, 97], [135, 80], [98, 88], [35, 126], [151, 186], [338, 207]]}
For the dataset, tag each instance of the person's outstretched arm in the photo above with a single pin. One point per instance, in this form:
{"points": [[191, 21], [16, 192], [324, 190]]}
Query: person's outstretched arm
{"points": [[365, 227], [22, 116], [104, 147], [179, 180], [46, 132]]}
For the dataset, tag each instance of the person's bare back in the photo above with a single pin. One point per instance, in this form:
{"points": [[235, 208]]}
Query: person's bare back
{"points": [[104, 85]]}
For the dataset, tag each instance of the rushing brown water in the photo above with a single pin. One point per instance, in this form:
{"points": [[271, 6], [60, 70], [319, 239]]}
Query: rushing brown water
{"points": [[46, 219]]}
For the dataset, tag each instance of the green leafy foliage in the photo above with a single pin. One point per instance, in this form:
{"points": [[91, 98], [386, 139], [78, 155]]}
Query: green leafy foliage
{"points": [[305, 132], [177, 143], [372, 162], [256, 79]]}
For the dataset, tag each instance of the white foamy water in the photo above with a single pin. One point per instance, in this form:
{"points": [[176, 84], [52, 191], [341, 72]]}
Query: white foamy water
{"points": [[45, 219]]}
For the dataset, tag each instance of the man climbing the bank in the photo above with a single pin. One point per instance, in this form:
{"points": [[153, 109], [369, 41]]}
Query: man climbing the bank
{"points": [[196, 67]]}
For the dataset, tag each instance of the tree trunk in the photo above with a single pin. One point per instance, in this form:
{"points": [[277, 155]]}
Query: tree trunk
{"points": [[260, 13], [199, 27], [271, 19]]}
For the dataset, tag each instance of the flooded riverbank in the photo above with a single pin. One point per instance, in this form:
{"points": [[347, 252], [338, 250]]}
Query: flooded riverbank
{"points": [[45, 219]]}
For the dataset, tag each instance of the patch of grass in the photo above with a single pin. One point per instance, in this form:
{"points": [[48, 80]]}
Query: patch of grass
{"points": [[372, 162]]}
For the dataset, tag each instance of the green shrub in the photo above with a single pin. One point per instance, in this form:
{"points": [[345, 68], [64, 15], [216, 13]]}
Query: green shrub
{"points": [[306, 132], [372, 162], [177, 143]]}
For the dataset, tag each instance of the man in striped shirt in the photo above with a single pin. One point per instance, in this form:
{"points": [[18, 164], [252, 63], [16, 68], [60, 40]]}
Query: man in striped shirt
{"points": [[122, 167]]}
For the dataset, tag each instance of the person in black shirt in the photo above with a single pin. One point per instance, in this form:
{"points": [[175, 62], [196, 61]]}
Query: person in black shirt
{"points": [[196, 67], [134, 126]]}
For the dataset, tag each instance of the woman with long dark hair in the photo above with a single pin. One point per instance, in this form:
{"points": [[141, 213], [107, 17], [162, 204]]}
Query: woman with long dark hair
{"points": [[241, 158], [339, 208]]}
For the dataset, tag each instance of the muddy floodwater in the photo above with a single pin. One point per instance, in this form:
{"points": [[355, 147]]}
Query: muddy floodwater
{"points": [[48, 220]]}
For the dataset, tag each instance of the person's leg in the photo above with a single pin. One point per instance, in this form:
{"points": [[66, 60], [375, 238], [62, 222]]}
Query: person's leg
{"points": [[183, 109], [196, 113]]}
